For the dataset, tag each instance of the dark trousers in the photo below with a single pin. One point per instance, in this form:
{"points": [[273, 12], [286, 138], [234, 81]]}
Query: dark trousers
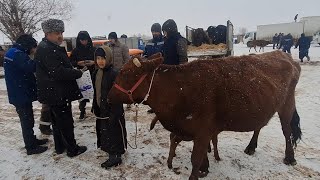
{"points": [[63, 129], [45, 118], [287, 49], [27, 123], [112, 135], [303, 53]]}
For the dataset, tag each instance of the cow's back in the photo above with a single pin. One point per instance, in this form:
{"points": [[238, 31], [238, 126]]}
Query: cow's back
{"points": [[242, 87]]}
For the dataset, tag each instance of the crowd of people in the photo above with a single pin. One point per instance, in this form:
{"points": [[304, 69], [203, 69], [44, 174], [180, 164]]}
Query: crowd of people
{"points": [[285, 42], [50, 78]]}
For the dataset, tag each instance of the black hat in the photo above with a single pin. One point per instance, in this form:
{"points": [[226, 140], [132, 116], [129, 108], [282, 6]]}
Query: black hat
{"points": [[156, 27], [100, 52], [83, 35], [170, 26], [52, 25], [113, 35], [27, 42]]}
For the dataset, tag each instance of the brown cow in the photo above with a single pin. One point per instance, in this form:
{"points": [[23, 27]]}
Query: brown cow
{"points": [[228, 94], [255, 43]]}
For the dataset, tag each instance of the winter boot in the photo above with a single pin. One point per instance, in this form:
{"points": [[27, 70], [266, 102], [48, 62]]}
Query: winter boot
{"points": [[113, 161], [79, 150], [41, 141], [36, 150]]}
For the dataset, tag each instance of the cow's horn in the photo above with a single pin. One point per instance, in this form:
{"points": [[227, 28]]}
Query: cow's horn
{"points": [[136, 62]]}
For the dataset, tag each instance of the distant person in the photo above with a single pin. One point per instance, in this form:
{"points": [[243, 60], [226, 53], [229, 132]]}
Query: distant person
{"points": [[83, 56], [175, 46], [304, 46], [155, 45], [295, 18], [22, 91], [123, 36], [275, 40], [120, 53], [280, 40], [287, 43]]}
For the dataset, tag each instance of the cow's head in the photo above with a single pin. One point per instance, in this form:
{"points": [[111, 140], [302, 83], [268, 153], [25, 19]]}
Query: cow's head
{"points": [[129, 76]]}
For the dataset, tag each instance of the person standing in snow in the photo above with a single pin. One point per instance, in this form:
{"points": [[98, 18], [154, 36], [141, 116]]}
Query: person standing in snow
{"points": [[304, 46], [110, 123], [155, 45], [82, 56], [120, 53], [175, 46], [287, 43], [19, 71], [57, 86]]}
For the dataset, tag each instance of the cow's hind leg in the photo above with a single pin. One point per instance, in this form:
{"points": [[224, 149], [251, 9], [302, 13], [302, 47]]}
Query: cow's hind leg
{"points": [[251, 148], [199, 154], [215, 147], [290, 122], [174, 141]]}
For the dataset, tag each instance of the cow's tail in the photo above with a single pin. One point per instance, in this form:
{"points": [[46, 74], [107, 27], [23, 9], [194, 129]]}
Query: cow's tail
{"points": [[295, 128]]}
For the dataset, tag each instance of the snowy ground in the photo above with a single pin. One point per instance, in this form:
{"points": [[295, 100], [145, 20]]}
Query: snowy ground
{"points": [[148, 161]]}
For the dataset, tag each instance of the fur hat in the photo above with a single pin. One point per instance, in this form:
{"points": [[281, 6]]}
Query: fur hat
{"points": [[156, 27], [52, 25]]}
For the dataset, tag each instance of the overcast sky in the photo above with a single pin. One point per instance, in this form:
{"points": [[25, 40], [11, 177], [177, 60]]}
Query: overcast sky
{"points": [[99, 17]]}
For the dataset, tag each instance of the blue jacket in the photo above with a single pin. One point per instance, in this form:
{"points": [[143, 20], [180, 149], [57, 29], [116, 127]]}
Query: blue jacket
{"points": [[154, 46], [303, 43], [19, 75]]}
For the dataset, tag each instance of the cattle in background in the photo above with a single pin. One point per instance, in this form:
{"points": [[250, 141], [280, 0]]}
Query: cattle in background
{"points": [[202, 98], [259, 43], [217, 34], [199, 37]]}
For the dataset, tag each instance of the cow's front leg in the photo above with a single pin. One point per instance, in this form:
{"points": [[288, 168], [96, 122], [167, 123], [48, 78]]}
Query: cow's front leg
{"points": [[200, 148]]}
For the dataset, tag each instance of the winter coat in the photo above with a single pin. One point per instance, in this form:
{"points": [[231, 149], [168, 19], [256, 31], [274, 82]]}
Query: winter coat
{"points": [[81, 52], [287, 41], [303, 43], [175, 50], [19, 75], [110, 134], [56, 78], [154, 46], [120, 55]]}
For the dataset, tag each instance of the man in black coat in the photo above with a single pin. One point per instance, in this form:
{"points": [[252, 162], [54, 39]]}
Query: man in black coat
{"points": [[175, 46], [57, 86], [304, 45]]}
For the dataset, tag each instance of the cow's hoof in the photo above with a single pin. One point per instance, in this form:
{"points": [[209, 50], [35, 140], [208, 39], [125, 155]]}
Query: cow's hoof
{"points": [[217, 158], [250, 151], [193, 177], [289, 161], [169, 166], [203, 174]]}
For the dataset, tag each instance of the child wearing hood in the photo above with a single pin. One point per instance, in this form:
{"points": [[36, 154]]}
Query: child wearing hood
{"points": [[110, 123]]}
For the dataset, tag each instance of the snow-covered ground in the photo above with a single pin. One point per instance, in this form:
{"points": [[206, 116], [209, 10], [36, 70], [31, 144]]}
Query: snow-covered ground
{"points": [[148, 161]]}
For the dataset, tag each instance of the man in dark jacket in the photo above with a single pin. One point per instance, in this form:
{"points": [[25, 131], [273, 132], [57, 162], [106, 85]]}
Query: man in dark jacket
{"points": [[154, 45], [304, 45], [21, 87], [81, 56], [275, 40], [57, 86], [175, 46], [287, 43]]}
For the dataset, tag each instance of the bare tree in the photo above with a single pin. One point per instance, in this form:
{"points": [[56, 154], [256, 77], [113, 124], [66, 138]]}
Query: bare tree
{"points": [[24, 16], [243, 30]]}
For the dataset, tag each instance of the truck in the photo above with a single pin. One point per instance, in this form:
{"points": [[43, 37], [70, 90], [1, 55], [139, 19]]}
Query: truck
{"points": [[227, 51], [308, 25]]}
